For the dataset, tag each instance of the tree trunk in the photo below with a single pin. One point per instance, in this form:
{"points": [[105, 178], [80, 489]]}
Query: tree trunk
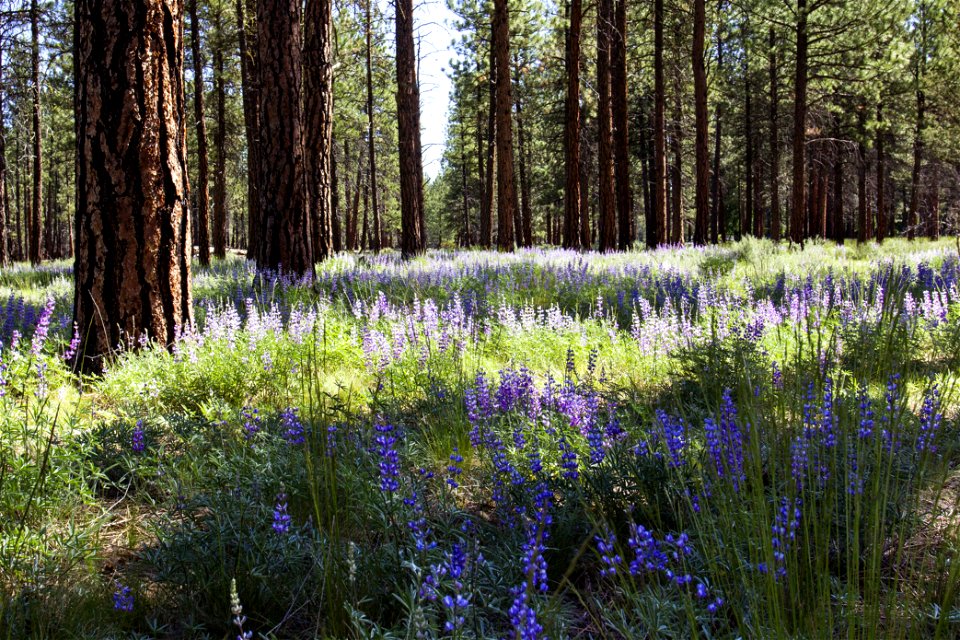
{"points": [[606, 221], [836, 211], [775, 221], [486, 213], [621, 118], [933, 219], [249, 78], [718, 228], [798, 199], [35, 247], [881, 178], [586, 239], [483, 223], [220, 221], [132, 266], [467, 232], [676, 169], [659, 128], [523, 226], [647, 180], [412, 233], [746, 214], [335, 200], [572, 196], [285, 235], [318, 129], [915, 174], [863, 220], [202, 190], [507, 202], [377, 231], [702, 190], [4, 200]]}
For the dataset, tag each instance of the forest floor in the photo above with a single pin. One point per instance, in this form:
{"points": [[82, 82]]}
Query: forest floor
{"points": [[743, 441]]}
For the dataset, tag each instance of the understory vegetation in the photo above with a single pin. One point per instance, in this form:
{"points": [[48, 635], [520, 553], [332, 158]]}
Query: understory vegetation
{"points": [[741, 441]]}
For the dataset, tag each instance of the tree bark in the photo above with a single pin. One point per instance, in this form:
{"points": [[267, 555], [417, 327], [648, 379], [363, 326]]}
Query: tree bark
{"points": [[606, 220], [702, 189], [507, 201], [659, 128], [377, 231], [718, 227], [915, 174], [933, 216], [523, 226], [572, 197], [220, 220], [249, 78], [863, 220], [798, 199], [746, 215], [881, 178], [676, 168], [132, 266], [202, 190], [775, 221], [285, 236], [621, 118], [4, 200], [412, 232], [35, 231], [318, 129]]}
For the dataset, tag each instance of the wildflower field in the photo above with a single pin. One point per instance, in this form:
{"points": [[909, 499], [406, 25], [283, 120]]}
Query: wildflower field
{"points": [[746, 441]]}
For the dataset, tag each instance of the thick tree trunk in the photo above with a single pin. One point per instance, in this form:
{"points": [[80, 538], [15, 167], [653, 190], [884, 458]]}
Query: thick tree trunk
{"points": [[621, 118], [201, 190], [285, 235], [377, 231], [659, 128], [571, 192], [412, 232], [798, 198], [132, 265], [507, 201], [249, 78], [35, 231], [607, 220], [702, 189], [775, 221], [221, 225], [318, 128]]}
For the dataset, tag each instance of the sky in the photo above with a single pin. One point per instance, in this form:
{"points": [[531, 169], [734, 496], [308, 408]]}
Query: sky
{"points": [[435, 32]]}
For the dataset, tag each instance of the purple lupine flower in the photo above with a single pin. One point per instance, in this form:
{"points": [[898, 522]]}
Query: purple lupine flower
{"points": [[930, 419], [74, 345], [568, 460], [252, 424], [454, 468], [675, 436], [137, 439], [293, 431], [281, 519], [122, 598], [523, 617], [606, 545], [865, 428], [43, 328], [389, 464]]}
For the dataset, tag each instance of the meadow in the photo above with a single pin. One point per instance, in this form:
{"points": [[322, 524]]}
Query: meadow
{"points": [[742, 441]]}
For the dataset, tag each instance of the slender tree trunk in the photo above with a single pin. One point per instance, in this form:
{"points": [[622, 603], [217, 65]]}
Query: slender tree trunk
{"points": [[863, 224], [335, 201], [249, 78], [466, 240], [507, 202], [607, 221], [915, 174], [285, 224], [798, 199], [572, 196], [412, 233], [318, 129], [4, 200], [881, 178], [202, 190], [702, 190], [486, 214], [586, 238], [933, 220], [718, 227], [20, 222], [646, 171], [377, 231], [676, 170], [132, 267], [621, 118], [220, 220], [659, 127], [483, 223], [523, 226], [35, 247], [836, 211], [746, 215], [775, 221]]}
